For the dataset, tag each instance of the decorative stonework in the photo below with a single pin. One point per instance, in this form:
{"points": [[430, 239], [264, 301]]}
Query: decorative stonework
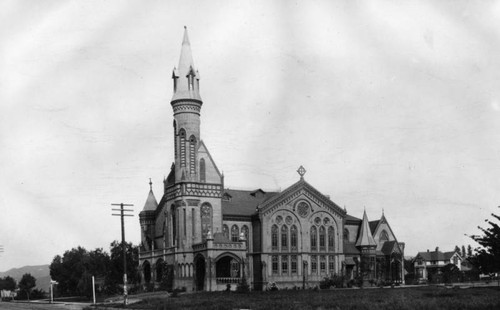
{"points": [[186, 107], [303, 209], [194, 189]]}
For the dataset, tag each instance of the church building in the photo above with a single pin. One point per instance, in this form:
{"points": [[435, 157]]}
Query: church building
{"points": [[204, 236]]}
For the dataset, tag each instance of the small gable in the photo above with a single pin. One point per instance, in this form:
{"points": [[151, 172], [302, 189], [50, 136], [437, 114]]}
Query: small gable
{"points": [[209, 173]]}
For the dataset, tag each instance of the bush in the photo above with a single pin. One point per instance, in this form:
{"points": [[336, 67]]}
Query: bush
{"points": [[243, 286], [332, 281]]}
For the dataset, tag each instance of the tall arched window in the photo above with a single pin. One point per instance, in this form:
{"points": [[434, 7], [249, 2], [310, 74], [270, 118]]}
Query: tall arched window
{"points": [[331, 239], [235, 233], [225, 231], [346, 235], [192, 154], [383, 236], [314, 238], [174, 225], [203, 177], [206, 219], [274, 238], [322, 238], [293, 238], [182, 142], [244, 230], [284, 238], [175, 137]]}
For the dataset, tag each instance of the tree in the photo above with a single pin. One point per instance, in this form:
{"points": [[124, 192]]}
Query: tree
{"points": [[464, 254], [27, 283], [487, 258], [114, 277], [469, 250], [457, 249], [8, 283], [74, 270]]}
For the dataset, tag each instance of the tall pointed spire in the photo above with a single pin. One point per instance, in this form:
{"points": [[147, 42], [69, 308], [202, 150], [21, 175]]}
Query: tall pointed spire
{"points": [[365, 235], [186, 78], [151, 203]]}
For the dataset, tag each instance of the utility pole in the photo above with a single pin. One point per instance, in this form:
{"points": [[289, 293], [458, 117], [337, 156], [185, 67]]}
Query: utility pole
{"points": [[124, 246]]}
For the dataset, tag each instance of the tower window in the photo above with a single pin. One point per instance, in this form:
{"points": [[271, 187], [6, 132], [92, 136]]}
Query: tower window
{"points": [[192, 155], [203, 177], [182, 138], [176, 151]]}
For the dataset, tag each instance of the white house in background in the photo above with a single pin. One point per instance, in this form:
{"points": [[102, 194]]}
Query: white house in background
{"points": [[427, 263]]}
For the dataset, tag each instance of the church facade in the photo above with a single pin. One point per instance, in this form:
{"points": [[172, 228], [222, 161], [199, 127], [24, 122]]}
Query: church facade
{"points": [[204, 236]]}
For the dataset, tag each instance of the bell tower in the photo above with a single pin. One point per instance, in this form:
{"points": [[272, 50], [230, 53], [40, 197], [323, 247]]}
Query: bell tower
{"points": [[186, 104]]}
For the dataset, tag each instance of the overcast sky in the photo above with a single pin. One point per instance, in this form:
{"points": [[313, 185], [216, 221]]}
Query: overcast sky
{"points": [[389, 105]]}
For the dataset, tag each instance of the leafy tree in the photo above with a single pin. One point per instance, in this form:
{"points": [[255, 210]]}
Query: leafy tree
{"points": [[464, 254], [27, 283], [469, 250], [74, 270], [115, 275], [457, 249], [487, 258], [8, 283]]}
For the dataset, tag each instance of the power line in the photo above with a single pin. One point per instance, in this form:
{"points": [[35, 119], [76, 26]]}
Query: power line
{"points": [[124, 246]]}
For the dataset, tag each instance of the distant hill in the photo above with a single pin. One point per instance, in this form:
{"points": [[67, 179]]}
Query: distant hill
{"points": [[41, 274]]}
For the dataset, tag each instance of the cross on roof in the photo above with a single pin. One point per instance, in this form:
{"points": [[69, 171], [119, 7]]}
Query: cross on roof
{"points": [[301, 172]]}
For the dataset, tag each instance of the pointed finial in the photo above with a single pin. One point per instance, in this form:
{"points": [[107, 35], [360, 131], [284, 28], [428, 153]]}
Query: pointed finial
{"points": [[150, 184], [301, 172]]}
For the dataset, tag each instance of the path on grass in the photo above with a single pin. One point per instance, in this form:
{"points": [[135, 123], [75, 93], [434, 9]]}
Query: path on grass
{"points": [[41, 305]]}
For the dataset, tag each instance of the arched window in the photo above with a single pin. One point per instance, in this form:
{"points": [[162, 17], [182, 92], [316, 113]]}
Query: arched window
{"points": [[293, 238], [175, 137], [383, 236], [206, 219], [284, 238], [314, 238], [235, 233], [244, 230], [174, 225], [225, 231], [322, 238], [346, 235], [203, 178], [274, 238], [192, 154], [331, 239], [182, 138]]}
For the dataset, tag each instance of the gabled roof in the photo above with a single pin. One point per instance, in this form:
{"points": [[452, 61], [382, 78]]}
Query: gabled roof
{"points": [[307, 188], [243, 202], [352, 220], [365, 237], [436, 255], [151, 203]]}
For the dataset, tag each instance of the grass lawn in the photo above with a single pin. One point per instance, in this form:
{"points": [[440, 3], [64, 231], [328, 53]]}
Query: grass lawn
{"points": [[398, 298]]}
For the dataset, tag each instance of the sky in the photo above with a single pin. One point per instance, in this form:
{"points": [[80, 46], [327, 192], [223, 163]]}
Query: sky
{"points": [[391, 106]]}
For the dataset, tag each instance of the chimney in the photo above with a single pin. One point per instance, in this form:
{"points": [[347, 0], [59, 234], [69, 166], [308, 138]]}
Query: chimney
{"points": [[437, 248], [427, 250]]}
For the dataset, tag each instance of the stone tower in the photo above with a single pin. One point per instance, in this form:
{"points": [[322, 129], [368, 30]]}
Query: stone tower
{"points": [[186, 103]]}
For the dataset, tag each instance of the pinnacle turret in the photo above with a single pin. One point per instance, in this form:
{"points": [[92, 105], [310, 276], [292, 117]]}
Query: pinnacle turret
{"points": [[186, 78], [365, 235]]}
